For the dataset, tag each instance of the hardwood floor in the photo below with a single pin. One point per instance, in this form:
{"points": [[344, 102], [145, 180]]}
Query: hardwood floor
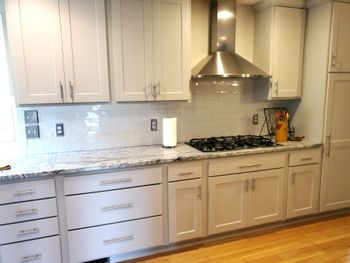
{"points": [[324, 241]]}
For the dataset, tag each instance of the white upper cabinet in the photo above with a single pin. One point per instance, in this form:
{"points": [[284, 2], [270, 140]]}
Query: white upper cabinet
{"points": [[58, 50], [151, 49], [278, 49], [339, 60]]}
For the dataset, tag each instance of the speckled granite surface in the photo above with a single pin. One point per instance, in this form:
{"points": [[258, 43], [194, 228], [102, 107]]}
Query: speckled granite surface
{"points": [[32, 166]]}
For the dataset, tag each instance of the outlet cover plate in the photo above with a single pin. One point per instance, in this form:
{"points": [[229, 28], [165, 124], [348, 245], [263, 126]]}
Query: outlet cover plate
{"points": [[59, 129], [31, 117], [154, 125], [32, 131]]}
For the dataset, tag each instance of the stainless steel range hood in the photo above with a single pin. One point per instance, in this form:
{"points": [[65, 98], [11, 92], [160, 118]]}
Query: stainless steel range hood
{"points": [[223, 61]]}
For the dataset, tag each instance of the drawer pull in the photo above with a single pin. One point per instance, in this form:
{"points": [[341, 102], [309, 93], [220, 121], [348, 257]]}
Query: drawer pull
{"points": [[116, 181], [116, 207], [307, 159], [31, 258], [117, 240], [293, 178], [251, 165], [246, 185], [28, 232], [186, 173], [253, 185], [27, 212], [24, 192]]}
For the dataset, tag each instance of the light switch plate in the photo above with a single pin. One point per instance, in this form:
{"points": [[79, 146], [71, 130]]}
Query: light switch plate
{"points": [[31, 117], [32, 131]]}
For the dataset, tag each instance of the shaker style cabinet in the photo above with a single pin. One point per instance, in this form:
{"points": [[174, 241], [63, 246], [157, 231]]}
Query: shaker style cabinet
{"points": [[278, 49], [58, 50], [150, 49], [339, 60], [335, 181]]}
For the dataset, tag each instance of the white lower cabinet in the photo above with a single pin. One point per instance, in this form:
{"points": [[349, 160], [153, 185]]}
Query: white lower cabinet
{"points": [[45, 250], [98, 242], [185, 210]]}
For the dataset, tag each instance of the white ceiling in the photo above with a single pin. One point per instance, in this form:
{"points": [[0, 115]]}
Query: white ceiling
{"points": [[247, 2]]}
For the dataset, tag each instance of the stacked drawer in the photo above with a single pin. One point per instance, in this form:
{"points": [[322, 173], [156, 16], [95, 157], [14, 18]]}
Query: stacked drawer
{"points": [[28, 222], [113, 213]]}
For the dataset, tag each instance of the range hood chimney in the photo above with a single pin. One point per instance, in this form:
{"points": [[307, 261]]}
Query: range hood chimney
{"points": [[223, 61]]}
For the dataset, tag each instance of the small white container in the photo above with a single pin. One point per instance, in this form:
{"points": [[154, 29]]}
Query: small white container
{"points": [[169, 132]]}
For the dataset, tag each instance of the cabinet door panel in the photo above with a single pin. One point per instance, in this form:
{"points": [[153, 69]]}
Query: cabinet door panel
{"points": [[266, 196], [34, 32], [171, 48], [227, 203], [288, 45], [85, 50], [339, 60], [303, 190], [132, 49], [185, 210]]}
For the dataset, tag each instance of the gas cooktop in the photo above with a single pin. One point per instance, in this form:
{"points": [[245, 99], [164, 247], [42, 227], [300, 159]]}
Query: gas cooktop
{"points": [[227, 143]]}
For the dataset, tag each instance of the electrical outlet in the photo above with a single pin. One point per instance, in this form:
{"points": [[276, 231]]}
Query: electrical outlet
{"points": [[255, 119], [31, 117], [59, 129], [154, 125], [32, 131]]}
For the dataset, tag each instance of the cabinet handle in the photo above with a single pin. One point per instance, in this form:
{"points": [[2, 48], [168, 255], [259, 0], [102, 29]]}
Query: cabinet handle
{"points": [[307, 159], [28, 232], [116, 207], [26, 212], [293, 178], [116, 181], [329, 139], [71, 91], [246, 185], [61, 89], [276, 87], [250, 166], [186, 173], [31, 257], [253, 185], [24, 192], [199, 192], [156, 90], [118, 239], [334, 60]]}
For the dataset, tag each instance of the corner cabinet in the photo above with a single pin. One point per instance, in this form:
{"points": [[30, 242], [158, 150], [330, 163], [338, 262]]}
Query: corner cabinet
{"points": [[339, 60], [278, 49], [58, 50], [150, 49]]}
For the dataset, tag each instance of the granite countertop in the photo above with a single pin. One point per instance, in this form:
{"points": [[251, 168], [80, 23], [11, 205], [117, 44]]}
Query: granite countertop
{"points": [[45, 165]]}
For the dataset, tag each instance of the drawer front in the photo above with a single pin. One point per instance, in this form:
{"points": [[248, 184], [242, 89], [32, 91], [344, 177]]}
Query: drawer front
{"points": [[308, 156], [39, 251], [184, 171], [18, 192], [99, 242], [27, 211], [110, 181], [247, 163], [113, 206], [28, 230]]}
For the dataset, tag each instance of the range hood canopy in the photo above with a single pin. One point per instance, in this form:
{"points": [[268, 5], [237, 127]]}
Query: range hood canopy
{"points": [[223, 61]]}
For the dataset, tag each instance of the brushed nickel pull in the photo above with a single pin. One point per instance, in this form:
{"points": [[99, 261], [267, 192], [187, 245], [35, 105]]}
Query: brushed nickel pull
{"points": [[246, 185], [71, 91], [328, 152], [31, 257], [118, 239], [28, 232], [24, 192], [307, 159], [276, 87], [186, 173], [117, 207], [334, 60], [116, 181], [61, 89], [253, 184], [27, 212], [199, 192], [293, 178], [250, 166]]}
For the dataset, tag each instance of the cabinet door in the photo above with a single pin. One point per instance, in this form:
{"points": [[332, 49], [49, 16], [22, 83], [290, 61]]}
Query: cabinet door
{"points": [[185, 210], [227, 203], [303, 190], [171, 42], [266, 197], [34, 33], [287, 52], [132, 49], [335, 181], [339, 60], [85, 50]]}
